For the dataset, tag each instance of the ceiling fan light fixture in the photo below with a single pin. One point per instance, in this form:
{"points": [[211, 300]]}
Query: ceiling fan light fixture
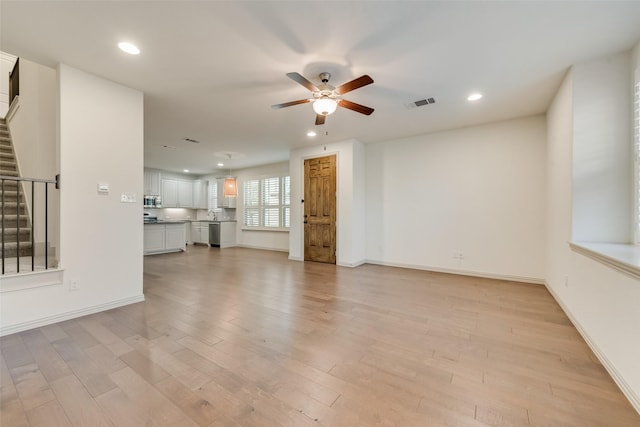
{"points": [[325, 106]]}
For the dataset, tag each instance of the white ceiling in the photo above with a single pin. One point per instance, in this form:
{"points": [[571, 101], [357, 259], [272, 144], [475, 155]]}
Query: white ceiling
{"points": [[210, 70]]}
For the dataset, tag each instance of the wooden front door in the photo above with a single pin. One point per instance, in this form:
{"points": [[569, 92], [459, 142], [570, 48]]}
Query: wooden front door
{"points": [[320, 209]]}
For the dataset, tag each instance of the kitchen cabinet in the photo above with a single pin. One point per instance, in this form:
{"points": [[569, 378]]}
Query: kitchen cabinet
{"points": [[177, 193], [185, 194], [227, 234], [151, 182], [154, 237], [164, 237], [174, 237], [201, 194], [225, 202], [169, 193], [200, 232]]}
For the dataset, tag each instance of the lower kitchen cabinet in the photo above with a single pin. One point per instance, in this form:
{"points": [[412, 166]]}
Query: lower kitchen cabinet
{"points": [[227, 229], [227, 234], [200, 232], [164, 237]]}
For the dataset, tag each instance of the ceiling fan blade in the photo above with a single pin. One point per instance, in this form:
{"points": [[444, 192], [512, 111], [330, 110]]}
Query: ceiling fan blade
{"points": [[320, 119], [289, 104], [355, 107], [299, 78], [354, 84]]}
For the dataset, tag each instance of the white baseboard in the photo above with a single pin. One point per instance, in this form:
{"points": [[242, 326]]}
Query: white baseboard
{"points": [[522, 279], [351, 264], [634, 399], [262, 248], [19, 327]]}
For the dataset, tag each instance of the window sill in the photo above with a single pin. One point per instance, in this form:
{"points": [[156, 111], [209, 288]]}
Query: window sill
{"points": [[624, 257], [281, 230]]}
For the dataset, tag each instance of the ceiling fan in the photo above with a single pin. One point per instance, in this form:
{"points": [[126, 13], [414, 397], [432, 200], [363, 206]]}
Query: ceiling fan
{"points": [[327, 98]]}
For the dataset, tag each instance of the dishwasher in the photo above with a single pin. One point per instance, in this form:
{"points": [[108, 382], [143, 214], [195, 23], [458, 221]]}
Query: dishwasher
{"points": [[214, 234]]}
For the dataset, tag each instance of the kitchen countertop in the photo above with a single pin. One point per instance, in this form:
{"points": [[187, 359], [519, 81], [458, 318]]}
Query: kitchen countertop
{"points": [[160, 221]]}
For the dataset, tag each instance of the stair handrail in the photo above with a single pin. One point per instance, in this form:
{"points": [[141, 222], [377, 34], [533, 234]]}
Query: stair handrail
{"points": [[33, 181]]}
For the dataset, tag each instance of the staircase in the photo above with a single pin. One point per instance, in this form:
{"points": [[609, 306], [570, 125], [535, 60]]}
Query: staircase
{"points": [[12, 211]]}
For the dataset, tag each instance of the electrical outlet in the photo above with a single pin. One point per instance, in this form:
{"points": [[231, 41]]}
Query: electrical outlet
{"points": [[458, 255], [566, 281], [73, 285]]}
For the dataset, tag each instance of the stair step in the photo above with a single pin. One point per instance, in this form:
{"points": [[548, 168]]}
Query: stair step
{"points": [[9, 185], [4, 165], [7, 157], [11, 264], [10, 173], [11, 235], [9, 195], [11, 207], [11, 249], [10, 220]]}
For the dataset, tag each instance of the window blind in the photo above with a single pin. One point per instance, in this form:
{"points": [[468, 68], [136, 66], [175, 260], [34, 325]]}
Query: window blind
{"points": [[266, 202]]}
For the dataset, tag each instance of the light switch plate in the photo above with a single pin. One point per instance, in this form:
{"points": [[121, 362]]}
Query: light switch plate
{"points": [[128, 198], [103, 188]]}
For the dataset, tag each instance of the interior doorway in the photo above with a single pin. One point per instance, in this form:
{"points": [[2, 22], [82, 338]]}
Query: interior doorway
{"points": [[320, 209]]}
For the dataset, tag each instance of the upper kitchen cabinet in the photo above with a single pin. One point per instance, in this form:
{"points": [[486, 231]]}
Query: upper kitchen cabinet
{"points": [[151, 182], [225, 202], [185, 194], [201, 194], [177, 193]]}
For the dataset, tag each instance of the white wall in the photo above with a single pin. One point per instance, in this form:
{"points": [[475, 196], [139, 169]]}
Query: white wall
{"points": [[602, 302], [479, 190], [350, 206], [7, 61], [559, 180], [101, 141], [33, 126], [602, 156]]}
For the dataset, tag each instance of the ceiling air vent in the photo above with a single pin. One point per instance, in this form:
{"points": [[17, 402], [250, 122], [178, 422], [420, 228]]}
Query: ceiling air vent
{"points": [[191, 140], [420, 103]]}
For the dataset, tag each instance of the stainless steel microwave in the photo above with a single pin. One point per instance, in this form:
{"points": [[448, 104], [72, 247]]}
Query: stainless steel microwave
{"points": [[152, 201]]}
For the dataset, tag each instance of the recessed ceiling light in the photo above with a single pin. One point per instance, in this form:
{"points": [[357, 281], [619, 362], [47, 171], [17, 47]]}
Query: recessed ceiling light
{"points": [[311, 133], [220, 164], [130, 48], [186, 170], [474, 97]]}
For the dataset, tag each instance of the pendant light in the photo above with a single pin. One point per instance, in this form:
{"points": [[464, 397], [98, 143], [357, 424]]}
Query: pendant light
{"points": [[230, 184], [230, 187]]}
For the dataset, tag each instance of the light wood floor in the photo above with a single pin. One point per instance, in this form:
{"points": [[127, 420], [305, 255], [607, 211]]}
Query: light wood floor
{"points": [[240, 337]]}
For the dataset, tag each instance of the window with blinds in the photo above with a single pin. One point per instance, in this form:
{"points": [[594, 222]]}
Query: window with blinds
{"points": [[267, 202], [213, 195]]}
